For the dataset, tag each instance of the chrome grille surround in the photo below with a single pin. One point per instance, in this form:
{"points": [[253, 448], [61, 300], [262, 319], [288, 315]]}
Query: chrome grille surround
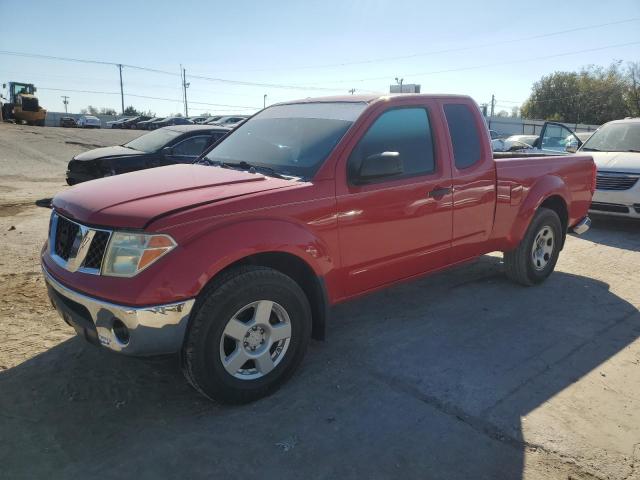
{"points": [[77, 245]]}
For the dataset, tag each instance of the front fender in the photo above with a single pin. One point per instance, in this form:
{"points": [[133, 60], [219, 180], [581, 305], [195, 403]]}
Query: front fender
{"points": [[532, 197], [213, 250]]}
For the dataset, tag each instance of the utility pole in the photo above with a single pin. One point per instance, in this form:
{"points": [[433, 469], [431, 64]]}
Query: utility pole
{"points": [[65, 100], [264, 101], [352, 91], [493, 105], [185, 85], [121, 91]]}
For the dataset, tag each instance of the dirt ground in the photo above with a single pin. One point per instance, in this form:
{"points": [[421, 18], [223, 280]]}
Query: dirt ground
{"points": [[459, 375]]}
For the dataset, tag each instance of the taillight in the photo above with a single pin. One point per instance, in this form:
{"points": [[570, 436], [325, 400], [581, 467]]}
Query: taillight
{"points": [[594, 175]]}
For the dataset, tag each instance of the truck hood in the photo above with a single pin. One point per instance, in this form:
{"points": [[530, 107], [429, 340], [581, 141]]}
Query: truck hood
{"points": [[624, 162], [115, 151], [135, 199]]}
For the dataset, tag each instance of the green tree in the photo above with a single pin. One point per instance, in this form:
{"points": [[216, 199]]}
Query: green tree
{"points": [[90, 110], [594, 95], [131, 111], [107, 111]]}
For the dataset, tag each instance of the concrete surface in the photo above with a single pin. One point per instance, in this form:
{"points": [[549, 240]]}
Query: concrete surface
{"points": [[461, 375]]}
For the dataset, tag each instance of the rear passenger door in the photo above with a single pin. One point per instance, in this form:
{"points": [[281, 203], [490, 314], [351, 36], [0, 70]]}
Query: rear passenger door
{"points": [[397, 226], [474, 179]]}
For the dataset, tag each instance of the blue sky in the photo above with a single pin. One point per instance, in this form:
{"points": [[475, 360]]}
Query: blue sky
{"points": [[305, 43]]}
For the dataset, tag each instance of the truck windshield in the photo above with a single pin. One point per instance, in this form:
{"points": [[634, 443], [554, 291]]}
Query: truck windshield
{"points": [[615, 137], [154, 141], [290, 139]]}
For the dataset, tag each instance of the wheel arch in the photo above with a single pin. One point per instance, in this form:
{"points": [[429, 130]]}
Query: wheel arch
{"points": [[312, 284], [548, 191]]}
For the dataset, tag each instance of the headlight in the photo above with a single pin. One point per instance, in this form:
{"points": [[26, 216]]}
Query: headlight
{"points": [[130, 253]]}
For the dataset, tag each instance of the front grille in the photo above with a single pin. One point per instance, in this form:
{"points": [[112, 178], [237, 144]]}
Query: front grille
{"points": [[64, 233], [609, 207], [615, 181], [97, 249], [65, 236]]}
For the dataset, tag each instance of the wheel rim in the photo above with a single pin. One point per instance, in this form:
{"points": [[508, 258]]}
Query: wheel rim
{"points": [[255, 340], [542, 249]]}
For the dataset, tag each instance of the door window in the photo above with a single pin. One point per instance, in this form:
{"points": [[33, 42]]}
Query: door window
{"points": [[557, 137], [405, 131], [191, 147], [465, 139]]}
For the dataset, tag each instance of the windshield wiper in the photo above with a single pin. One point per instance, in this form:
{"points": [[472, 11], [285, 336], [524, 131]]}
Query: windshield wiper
{"points": [[262, 169], [246, 166], [587, 149]]}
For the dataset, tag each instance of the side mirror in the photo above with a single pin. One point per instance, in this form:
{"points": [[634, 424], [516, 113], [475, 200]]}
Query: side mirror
{"points": [[571, 148], [167, 151], [379, 165]]}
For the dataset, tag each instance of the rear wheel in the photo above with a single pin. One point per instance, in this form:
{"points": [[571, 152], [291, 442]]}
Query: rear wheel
{"points": [[535, 257], [248, 335]]}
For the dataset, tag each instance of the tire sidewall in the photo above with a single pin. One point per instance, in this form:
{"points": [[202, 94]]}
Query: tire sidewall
{"points": [[214, 314], [550, 219]]}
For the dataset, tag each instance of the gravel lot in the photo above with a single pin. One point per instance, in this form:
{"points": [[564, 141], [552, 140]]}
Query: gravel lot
{"points": [[459, 375]]}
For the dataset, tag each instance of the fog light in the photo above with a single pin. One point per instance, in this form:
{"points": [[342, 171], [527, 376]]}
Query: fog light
{"points": [[120, 331]]}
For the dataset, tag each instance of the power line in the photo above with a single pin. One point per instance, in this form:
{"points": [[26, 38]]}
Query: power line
{"points": [[496, 64], [147, 97], [448, 50]]}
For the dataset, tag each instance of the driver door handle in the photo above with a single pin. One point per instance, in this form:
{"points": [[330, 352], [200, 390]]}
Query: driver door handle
{"points": [[440, 192]]}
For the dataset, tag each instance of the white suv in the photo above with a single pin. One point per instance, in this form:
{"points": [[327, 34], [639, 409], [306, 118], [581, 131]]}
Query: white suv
{"points": [[615, 148]]}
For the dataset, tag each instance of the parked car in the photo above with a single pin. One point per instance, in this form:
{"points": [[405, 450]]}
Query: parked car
{"points": [[615, 147], [230, 121], [198, 120], [132, 123], [89, 121], [555, 138], [235, 260], [528, 139], [494, 135], [68, 122], [506, 145], [166, 122], [116, 123], [146, 124], [213, 119], [165, 146]]}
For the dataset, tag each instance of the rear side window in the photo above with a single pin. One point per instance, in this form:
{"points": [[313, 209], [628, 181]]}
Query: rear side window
{"points": [[464, 135], [403, 130]]}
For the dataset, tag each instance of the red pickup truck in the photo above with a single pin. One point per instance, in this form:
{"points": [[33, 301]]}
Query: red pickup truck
{"points": [[234, 261]]}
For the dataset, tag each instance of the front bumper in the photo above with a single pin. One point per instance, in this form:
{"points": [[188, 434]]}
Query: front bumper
{"points": [[151, 330], [618, 203]]}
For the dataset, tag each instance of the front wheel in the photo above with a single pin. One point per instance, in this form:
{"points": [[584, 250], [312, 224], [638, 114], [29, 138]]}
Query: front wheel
{"points": [[535, 257], [248, 335]]}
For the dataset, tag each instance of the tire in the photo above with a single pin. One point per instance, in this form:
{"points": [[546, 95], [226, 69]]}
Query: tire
{"points": [[230, 323], [535, 257]]}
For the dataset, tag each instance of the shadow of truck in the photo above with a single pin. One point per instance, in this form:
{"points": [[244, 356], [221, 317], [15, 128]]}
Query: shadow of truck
{"points": [[429, 379]]}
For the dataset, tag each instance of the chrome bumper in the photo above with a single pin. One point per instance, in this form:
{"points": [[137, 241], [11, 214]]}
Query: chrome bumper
{"points": [[153, 330], [582, 226]]}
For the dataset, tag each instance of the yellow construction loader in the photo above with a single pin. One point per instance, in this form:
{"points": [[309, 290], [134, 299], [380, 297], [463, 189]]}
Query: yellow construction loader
{"points": [[22, 104]]}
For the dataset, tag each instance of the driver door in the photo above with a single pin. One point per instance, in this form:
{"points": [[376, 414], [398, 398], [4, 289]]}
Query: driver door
{"points": [[556, 138], [398, 226]]}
